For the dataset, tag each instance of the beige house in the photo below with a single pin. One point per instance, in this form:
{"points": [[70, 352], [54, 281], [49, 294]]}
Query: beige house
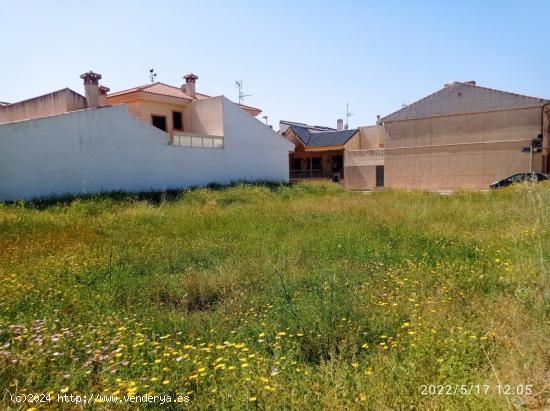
{"points": [[322, 152], [57, 102], [464, 136], [364, 166], [167, 107], [172, 109], [319, 154]]}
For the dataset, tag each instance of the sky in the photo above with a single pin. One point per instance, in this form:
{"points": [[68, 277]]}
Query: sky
{"points": [[300, 61]]}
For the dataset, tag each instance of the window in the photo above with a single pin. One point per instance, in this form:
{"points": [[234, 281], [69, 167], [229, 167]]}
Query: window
{"points": [[316, 163], [517, 178], [218, 142], [337, 162], [202, 142], [177, 121], [184, 141], [159, 122], [297, 164]]}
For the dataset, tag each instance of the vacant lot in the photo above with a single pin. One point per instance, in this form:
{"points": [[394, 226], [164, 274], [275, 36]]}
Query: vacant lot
{"points": [[305, 297]]}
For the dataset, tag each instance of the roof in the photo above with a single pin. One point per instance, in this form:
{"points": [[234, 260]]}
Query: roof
{"points": [[63, 90], [163, 89], [325, 138], [311, 128], [463, 98], [4, 103]]}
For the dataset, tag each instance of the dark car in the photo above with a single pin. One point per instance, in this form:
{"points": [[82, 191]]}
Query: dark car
{"points": [[519, 178]]}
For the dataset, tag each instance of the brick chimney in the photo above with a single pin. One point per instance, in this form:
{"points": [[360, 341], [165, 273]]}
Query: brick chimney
{"points": [[91, 88], [189, 86], [339, 124], [102, 99]]}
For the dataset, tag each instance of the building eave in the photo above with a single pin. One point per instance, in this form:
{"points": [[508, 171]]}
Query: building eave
{"points": [[324, 148]]}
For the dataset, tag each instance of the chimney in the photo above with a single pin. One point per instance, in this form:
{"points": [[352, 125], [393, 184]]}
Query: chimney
{"points": [[102, 100], [339, 124], [189, 86], [91, 88]]}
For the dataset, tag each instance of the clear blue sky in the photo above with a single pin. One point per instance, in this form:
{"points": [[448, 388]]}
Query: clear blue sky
{"points": [[300, 62]]}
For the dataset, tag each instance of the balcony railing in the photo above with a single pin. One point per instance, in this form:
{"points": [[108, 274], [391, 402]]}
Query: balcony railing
{"points": [[197, 140], [308, 174]]}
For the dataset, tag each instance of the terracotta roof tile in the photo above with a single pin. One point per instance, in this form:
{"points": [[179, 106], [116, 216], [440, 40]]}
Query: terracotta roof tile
{"points": [[163, 89]]}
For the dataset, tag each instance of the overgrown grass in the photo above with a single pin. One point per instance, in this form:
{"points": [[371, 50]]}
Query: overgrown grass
{"points": [[303, 297]]}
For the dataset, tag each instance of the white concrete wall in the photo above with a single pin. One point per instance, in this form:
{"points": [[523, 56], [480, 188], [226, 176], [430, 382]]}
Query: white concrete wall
{"points": [[261, 152], [107, 149], [206, 117]]}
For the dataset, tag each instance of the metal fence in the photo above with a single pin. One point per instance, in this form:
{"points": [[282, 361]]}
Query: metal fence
{"points": [[307, 174]]}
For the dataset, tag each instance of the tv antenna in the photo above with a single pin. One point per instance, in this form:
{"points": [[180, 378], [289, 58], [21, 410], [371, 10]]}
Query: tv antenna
{"points": [[152, 75], [348, 115], [239, 84], [265, 118]]}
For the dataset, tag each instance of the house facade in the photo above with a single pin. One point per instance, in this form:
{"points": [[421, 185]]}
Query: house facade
{"points": [[118, 144], [353, 157], [174, 110], [364, 166], [462, 136], [319, 154]]}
